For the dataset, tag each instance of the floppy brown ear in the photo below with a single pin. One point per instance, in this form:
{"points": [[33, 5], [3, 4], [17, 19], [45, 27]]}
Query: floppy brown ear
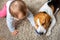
{"points": [[47, 21], [35, 18]]}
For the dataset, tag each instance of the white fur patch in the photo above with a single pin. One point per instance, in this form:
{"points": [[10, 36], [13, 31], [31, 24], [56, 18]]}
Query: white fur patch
{"points": [[40, 28]]}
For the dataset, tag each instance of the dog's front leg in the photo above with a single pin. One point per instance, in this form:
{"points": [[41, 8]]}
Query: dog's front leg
{"points": [[51, 26]]}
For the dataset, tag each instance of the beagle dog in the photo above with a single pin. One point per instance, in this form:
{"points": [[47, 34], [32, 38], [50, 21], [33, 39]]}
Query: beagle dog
{"points": [[45, 19]]}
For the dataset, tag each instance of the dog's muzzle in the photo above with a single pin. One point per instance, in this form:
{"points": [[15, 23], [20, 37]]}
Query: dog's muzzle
{"points": [[40, 33]]}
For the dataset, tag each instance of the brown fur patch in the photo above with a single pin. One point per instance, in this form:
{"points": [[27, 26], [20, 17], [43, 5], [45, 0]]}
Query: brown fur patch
{"points": [[52, 7], [44, 19]]}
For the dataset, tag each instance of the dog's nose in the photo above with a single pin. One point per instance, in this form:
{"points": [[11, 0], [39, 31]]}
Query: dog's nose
{"points": [[40, 33]]}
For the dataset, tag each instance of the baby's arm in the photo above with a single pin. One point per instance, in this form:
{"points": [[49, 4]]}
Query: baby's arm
{"points": [[30, 17], [9, 21]]}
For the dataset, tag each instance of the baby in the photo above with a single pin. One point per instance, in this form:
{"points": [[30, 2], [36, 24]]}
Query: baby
{"points": [[15, 10]]}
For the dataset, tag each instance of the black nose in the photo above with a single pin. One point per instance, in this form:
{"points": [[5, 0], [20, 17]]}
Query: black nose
{"points": [[40, 33]]}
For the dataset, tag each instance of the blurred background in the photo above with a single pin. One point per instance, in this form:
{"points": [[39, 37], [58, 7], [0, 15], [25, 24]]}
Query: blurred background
{"points": [[26, 31]]}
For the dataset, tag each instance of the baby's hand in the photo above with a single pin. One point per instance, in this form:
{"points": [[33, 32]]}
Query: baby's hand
{"points": [[15, 32]]}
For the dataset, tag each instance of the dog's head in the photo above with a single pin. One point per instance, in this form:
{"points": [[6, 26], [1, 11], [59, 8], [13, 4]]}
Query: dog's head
{"points": [[42, 21]]}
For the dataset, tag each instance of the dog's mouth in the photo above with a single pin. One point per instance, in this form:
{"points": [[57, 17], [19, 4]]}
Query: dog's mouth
{"points": [[40, 33]]}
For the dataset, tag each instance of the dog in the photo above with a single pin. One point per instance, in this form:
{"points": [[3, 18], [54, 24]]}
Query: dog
{"points": [[45, 19]]}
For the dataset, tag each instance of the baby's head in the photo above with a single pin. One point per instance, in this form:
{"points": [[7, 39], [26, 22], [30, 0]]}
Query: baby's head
{"points": [[18, 9]]}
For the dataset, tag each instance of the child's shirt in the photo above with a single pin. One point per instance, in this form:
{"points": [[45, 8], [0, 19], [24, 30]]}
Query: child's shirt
{"points": [[10, 18]]}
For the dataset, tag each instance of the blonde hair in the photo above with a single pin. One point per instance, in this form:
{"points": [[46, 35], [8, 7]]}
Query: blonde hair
{"points": [[18, 5]]}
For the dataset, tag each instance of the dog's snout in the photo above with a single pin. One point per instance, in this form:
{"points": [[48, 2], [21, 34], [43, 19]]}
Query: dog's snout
{"points": [[40, 33]]}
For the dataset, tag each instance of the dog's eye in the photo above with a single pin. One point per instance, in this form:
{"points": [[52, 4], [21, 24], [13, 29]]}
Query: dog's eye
{"points": [[43, 23]]}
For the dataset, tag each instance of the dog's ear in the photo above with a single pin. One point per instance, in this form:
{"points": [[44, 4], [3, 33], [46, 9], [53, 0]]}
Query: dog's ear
{"points": [[35, 20], [47, 22]]}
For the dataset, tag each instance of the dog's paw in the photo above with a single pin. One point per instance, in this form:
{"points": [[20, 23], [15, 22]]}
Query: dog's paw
{"points": [[48, 33]]}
